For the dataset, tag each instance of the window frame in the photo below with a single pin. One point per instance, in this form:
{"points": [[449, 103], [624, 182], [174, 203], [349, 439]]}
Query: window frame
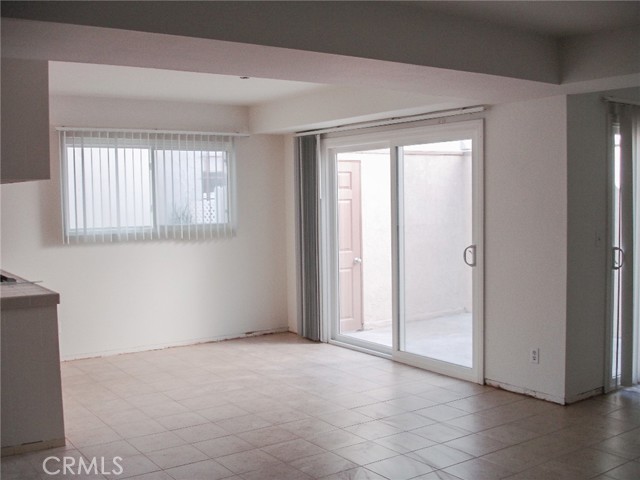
{"points": [[153, 141]]}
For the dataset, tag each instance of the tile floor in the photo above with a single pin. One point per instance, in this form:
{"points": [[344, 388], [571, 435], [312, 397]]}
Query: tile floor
{"points": [[279, 407]]}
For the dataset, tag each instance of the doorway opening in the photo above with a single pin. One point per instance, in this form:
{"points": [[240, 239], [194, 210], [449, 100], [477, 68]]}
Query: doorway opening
{"points": [[405, 255], [623, 360]]}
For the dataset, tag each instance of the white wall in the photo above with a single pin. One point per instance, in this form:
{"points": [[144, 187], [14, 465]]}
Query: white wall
{"points": [[375, 171], [335, 105], [426, 252], [25, 120], [437, 229], [411, 35], [290, 215], [131, 296], [526, 245], [586, 255]]}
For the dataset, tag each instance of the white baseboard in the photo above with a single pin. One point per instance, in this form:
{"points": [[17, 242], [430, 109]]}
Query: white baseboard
{"points": [[525, 391], [583, 396], [545, 396], [184, 343], [33, 447]]}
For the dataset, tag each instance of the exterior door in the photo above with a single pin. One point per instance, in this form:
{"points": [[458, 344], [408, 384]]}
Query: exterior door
{"points": [[437, 252], [404, 245], [623, 362], [350, 246], [439, 243]]}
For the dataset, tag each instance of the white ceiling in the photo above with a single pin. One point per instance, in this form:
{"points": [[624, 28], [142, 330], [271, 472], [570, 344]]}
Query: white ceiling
{"points": [[171, 73], [555, 18], [83, 79]]}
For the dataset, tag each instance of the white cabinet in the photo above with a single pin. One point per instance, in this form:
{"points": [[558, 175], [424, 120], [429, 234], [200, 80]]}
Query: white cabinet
{"points": [[32, 415]]}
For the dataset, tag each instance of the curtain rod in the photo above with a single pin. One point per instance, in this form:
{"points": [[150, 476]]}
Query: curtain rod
{"points": [[621, 100], [395, 120], [130, 130]]}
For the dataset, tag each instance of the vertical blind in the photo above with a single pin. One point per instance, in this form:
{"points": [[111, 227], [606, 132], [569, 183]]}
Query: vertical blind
{"points": [[121, 185], [307, 205]]}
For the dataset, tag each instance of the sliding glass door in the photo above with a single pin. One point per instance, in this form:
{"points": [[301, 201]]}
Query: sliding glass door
{"points": [[437, 253], [405, 252], [623, 362]]}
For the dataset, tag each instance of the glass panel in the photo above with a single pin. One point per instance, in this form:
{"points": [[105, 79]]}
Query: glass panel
{"points": [[124, 185], [192, 187], [616, 241], [364, 232], [108, 188], [436, 219]]}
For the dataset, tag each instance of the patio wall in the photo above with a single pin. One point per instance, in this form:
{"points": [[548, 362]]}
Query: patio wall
{"points": [[431, 210]]}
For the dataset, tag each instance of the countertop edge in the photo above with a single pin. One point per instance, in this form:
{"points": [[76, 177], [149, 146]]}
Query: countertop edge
{"points": [[25, 295]]}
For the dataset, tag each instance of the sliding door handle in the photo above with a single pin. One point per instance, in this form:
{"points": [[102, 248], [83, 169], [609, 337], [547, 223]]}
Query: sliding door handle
{"points": [[470, 251], [617, 258]]}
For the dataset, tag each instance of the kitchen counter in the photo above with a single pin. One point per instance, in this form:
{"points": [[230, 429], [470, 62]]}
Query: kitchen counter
{"points": [[25, 294], [31, 393]]}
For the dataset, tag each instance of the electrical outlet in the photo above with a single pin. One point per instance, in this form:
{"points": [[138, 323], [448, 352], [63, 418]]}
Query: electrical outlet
{"points": [[534, 356]]}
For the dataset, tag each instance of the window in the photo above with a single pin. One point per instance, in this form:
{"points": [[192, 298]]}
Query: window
{"points": [[137, 185]]}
